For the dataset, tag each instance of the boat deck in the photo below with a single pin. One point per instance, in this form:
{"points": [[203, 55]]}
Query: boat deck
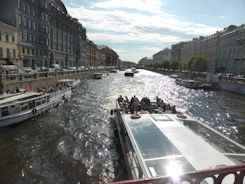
{"points": [[163, 143]]}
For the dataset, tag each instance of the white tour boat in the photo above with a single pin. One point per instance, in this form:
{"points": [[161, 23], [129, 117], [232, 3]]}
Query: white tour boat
{"points": [[73, 83], [24, 106], [164, 144]]}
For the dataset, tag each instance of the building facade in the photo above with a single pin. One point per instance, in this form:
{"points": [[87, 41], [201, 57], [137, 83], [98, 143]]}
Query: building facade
{"points": [[145, 61], [176, 51], [231, 50], [9, 51], [162, 55], [47, 34]]}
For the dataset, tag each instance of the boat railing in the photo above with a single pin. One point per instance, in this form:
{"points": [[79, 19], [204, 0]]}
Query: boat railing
{"points": [[134, 164], [215, 175], [20, 106], [215, 138]]}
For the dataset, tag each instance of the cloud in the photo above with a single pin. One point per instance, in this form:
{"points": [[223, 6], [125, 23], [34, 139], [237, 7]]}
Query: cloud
{"points": [[222, 17], [152, 6], [107, 23]]}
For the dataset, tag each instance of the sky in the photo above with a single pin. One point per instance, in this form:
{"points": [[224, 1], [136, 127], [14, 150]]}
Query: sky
{"points": [[140, 28]]}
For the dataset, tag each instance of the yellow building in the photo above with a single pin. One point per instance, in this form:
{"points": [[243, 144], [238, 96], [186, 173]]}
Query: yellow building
{"points": [[9, 51]]}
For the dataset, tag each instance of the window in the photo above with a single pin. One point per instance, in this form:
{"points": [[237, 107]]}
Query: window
{"points": [[46, 17], [23, 50], [28, 51], [46, 5], [14, 54], [24, 7], [43, 16], [24, 22], [1, 52], [6, 37], [30, 37], [33, 12], [34, 38], [13, 38], [19, 4], [0, 35], [34, 25], [25, 36], [46, 29], [20, 19], [29, 9], [20, 35], [8, 53], [29, 23]]}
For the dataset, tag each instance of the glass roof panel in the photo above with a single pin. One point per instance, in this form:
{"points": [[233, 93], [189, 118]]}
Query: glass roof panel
{"points": [[161, 117], [150, 140], [169, 167]]}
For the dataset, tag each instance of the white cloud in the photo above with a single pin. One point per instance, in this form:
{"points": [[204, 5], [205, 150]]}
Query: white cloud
{"points": [[115, 25], [222, 17], [153, 6]]}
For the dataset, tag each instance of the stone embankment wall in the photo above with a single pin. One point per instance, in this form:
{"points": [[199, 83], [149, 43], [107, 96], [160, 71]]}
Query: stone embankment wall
{"points": [[40, 80]]}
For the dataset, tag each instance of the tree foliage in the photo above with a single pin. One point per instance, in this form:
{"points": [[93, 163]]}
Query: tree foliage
{"points": [[197, 63], [185, 66], [166, 64], [175, 64], [200, 63]]}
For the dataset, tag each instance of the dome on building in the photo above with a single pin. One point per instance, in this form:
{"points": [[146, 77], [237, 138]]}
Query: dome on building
{"points": [[59, 4]]}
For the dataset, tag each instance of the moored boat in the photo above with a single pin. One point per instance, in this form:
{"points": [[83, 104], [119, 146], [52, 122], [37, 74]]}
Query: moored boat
{"points": [[73, 83], [161, 143], [188, 83], [97, 76], [113, 70], [25, 106]]}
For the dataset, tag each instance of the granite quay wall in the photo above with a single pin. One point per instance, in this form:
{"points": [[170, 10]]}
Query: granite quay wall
{"points": [[40, 80]]}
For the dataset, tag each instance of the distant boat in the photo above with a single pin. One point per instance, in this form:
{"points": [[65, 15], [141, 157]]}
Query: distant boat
{"points": [[129, 73], [113, 71], [73, 83], [25, 106], [98, 76], [174, 76]]}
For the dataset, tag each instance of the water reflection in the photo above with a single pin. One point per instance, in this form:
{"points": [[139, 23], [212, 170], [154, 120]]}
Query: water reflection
{"points": [[76, 143]]}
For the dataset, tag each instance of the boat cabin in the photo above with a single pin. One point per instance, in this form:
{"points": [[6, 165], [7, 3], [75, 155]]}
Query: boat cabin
{"points": [[22, 102]]}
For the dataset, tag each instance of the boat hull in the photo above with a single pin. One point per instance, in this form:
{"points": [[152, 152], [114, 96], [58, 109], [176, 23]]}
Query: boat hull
{"points": [[55, 99]]}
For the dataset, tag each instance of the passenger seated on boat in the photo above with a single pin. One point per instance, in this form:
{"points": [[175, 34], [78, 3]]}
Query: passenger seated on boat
{"points": [[126, 99], [120, 99], [173, 110], [17, 90]]}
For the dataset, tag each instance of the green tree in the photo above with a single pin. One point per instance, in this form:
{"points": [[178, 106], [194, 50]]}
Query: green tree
{"points": [[190, 61], [166, 64], [175, 64], [200, 63], [185, 66], [156, 65]]}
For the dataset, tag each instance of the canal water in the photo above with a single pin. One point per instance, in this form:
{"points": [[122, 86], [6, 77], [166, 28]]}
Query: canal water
{"points": [[75, 142]]}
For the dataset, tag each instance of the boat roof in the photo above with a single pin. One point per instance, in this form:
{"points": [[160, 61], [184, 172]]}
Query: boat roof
{"points": [[66, 80], [18, 97], [160, 140]]}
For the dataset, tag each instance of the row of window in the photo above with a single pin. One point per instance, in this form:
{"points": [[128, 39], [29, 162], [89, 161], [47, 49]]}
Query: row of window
{"points": [[22, 5], [6, 37], [27, 22], [232, 52], [31, 51], [9, 53]]}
